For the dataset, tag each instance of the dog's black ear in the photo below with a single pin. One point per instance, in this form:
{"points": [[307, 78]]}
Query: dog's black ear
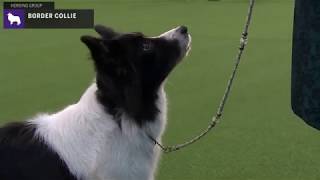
{"points": [[105, 32], [98, 49], [92, 43]]}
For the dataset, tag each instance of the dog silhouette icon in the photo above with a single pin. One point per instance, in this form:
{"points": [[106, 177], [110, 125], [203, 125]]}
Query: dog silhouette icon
{"points": [[13, 19]]}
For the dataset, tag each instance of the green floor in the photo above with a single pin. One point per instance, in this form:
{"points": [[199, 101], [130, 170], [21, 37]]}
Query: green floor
{"points": [[258, 138]]}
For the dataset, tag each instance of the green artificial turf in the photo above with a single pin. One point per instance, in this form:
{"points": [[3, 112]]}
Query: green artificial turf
{"points": [[259, 138]]}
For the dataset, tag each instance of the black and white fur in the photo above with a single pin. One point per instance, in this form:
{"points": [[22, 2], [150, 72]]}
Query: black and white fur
{"points": [[104, 136]]}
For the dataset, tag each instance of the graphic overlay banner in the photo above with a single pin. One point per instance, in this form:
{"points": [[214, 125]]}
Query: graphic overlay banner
{"points": [[20, 15]]}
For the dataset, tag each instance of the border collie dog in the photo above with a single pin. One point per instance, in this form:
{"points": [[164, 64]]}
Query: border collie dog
{"points": [[107, 134]]}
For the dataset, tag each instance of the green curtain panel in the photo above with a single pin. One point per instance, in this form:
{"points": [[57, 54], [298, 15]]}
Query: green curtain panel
{"points": [[306, 62]]}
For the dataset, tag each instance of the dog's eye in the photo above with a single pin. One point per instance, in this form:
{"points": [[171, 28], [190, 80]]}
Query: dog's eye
{"points": [[147, 46]]}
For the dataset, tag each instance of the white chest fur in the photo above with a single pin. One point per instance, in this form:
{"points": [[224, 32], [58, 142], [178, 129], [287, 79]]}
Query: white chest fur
{"points": [[95, 148]]}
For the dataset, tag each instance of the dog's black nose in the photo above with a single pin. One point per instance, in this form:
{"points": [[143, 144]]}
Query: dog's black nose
{"points": [[183, 29]]}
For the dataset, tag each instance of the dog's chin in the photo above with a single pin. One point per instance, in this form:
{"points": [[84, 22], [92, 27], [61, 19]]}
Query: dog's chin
{"points": [[186, 47]]}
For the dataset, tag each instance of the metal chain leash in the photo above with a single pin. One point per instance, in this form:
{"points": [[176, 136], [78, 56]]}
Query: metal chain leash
{"points": [[217, 117]]}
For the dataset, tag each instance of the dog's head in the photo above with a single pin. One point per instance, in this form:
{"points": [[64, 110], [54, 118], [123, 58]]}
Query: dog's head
{"points": [[132, 67]]}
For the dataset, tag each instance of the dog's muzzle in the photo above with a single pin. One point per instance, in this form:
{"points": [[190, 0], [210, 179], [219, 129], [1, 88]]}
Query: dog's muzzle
{"points": [[181, 34]]}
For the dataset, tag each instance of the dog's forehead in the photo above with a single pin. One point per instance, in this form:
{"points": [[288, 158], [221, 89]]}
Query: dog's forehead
{"points": [[109, 33], [132, 36]]}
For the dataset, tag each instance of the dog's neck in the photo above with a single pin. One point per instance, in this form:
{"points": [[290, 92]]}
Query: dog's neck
{"points": [[89, 99], [137, 101], [92, 103]]}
